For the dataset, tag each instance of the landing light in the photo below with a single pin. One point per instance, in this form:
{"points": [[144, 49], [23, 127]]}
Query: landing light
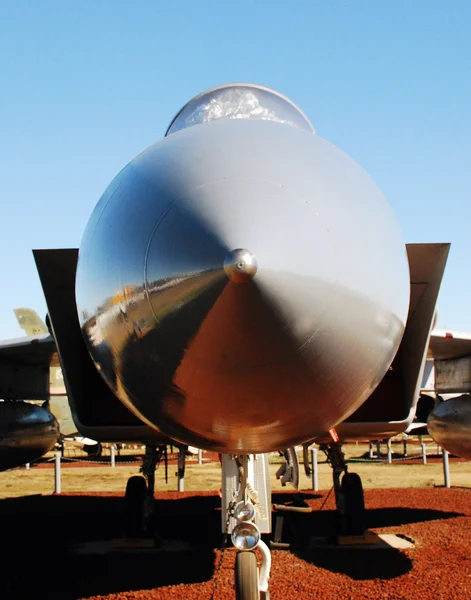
{"points": [[244, 511], [245, 536]]}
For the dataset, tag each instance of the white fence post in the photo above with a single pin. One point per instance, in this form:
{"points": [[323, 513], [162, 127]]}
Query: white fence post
{"points": [[57, 473], [315, 470], [446, 468], [424, 454]]}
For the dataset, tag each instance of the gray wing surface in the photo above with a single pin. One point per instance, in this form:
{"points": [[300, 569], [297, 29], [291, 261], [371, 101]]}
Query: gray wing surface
{"points": [[30, 350], [24, 367], [449, 344], [451, 351]]}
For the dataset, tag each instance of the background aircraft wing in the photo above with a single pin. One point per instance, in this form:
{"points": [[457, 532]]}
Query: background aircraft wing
{"points": [[37, 350], [24, 367], [451, 351], [448, 344]]}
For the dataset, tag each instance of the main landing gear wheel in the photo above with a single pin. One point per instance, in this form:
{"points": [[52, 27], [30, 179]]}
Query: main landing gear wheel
{"points": [[93, 449], [246, 576], [135, 497], [352, 488]]}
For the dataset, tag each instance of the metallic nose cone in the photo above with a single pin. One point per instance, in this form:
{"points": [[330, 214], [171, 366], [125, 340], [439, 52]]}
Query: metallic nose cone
{"points": [[240, 265]]}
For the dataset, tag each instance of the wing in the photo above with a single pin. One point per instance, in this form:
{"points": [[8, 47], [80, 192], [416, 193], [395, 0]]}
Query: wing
{"points": [[448, 344], [24, 367], [30, 350], [451, 351]]}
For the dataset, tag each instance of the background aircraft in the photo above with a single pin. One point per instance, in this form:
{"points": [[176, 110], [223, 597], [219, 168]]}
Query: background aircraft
{"points": [[27, 430], [449, 422], [57, 402]]}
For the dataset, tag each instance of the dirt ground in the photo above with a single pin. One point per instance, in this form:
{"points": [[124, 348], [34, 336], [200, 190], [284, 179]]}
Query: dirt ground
{"points": [[100, 477]]}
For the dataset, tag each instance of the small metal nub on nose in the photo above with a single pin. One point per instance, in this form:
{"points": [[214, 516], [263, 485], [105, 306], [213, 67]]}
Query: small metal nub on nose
{"points": [[240, 265]]}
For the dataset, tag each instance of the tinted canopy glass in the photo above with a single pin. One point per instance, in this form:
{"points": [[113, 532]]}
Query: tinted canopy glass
{"points": [[239, 101]]}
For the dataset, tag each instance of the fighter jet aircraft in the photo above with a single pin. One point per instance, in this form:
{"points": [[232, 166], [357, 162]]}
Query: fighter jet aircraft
{"points": [[243, 286]]}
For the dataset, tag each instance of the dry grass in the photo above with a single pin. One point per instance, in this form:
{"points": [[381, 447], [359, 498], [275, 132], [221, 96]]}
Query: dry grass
{"points": [[22, 482]]}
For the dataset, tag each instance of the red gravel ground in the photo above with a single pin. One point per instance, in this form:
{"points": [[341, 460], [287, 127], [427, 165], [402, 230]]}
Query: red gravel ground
{"points": [[39, 533]]}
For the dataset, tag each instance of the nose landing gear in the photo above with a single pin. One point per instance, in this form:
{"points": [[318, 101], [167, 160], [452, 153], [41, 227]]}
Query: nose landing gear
{"points": [[246, 504]]}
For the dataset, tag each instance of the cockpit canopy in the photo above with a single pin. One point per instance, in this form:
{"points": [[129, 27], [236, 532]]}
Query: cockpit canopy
{"points": [[239, 101]]}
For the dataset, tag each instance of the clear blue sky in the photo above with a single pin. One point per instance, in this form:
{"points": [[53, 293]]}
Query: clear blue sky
{"points": [[85, 86]]}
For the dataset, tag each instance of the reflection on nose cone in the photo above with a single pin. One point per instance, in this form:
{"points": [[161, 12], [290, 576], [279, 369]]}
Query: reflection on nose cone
{"points": [[240, 266]]}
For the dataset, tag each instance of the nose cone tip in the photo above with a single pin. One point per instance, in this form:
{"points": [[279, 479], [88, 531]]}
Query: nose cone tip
{"points": [[240, 265]]}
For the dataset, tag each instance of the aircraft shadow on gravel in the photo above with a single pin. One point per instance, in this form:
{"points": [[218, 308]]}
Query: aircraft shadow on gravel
{"points": [[358, 563], [390, 517], [41, 533]]}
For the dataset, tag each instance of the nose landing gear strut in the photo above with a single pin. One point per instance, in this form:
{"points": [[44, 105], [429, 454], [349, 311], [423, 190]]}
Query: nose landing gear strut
{"points": [[246, 503]]}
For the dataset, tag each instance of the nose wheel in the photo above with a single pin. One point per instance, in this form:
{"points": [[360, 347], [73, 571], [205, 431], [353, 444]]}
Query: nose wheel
{"points": [[246, 576]]}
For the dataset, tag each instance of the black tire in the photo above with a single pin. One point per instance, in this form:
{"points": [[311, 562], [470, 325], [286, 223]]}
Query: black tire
{"points": [[136, 491], [355, 516], [246, 576], [93, 449], [306, 461]]}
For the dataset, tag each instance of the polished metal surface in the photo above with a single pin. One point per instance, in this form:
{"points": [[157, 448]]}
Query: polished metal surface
{"points": [[240, 265], [244, 511], [449, 424], [253, 367], [27, 431]]}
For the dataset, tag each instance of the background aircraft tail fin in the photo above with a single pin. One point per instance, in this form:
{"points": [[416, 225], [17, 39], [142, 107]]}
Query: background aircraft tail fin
{"points": [[29, 320]]}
